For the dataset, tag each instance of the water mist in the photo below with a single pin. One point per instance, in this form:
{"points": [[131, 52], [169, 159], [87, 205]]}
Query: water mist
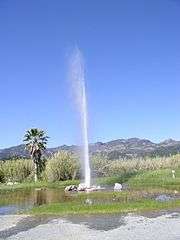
{"points": [[77, 75]]}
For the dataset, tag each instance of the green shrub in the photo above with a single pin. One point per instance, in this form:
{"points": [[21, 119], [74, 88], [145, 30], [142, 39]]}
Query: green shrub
{"points": [[62, 166], [16, 170]]}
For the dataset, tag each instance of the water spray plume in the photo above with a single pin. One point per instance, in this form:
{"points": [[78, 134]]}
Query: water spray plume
{"points": [[77, 75]]}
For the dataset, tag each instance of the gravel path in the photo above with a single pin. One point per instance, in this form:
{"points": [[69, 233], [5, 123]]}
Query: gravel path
{"points": [[9, 221], [165, 227]]}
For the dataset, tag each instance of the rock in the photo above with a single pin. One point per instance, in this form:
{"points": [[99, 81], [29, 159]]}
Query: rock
{"points": [[88, 201], [9, 183], [82, 187], [92, 189], [164, 198], [173, 174], [39, 189], [70, 188], [117, 187], [125, 186]]}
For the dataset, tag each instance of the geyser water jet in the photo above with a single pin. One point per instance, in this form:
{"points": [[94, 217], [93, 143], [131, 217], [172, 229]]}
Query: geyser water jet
{"points": [[77, 75]]}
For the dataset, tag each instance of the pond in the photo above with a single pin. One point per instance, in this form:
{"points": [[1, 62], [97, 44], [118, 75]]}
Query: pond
{"points": [[17, 201]]}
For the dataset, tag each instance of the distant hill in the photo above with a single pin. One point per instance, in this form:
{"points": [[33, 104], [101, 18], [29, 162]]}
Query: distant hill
{"points": [[116, 149]]}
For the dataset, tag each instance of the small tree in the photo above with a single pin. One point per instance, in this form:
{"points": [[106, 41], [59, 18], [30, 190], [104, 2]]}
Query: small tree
{"points": [[36, 141]]}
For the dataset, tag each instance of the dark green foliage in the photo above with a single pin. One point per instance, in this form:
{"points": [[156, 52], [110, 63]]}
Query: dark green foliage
{"points": [[36, 142]]}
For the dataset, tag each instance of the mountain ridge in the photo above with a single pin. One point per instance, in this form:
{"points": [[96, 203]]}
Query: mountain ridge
{"points": [[114, 149]]}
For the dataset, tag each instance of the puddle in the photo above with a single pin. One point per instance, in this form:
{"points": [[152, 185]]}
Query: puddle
{"points": [[99, 222], [164, 198], [6, 210]]}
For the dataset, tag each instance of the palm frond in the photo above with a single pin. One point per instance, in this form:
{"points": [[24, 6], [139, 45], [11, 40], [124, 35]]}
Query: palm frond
{"points": [[35, 139]]}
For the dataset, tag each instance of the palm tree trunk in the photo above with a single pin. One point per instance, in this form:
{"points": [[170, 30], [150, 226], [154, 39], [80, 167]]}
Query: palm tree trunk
{"points": [[35, 168], [35, 172]]}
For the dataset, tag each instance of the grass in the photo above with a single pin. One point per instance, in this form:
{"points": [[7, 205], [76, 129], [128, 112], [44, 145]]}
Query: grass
{"points": [[157, 178], [122, 178], [122, 207]]}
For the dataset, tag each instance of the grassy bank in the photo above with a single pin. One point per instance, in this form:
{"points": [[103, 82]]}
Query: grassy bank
{"points": [[156, 179], [121, 207]]}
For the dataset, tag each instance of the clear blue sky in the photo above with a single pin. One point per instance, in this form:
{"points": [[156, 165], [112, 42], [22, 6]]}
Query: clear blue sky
{"points": [[132, 54]]}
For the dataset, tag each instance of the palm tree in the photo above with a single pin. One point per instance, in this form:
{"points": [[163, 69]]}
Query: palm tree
{"points": [[36, 141]]}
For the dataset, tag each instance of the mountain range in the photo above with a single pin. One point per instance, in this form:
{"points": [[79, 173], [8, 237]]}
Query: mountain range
{"points": [[116, 149]]}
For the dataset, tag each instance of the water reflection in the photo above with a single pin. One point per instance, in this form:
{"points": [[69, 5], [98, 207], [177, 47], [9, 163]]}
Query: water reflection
{"points": [[40, 197], [45, 196], [25, 199]]}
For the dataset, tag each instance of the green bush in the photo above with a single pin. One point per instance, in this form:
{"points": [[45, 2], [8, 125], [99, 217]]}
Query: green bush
{"points": [[16, 170], [62, 166]]}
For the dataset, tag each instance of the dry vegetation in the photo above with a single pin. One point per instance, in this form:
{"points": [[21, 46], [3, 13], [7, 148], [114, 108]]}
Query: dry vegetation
{"points": [[65, 166]]}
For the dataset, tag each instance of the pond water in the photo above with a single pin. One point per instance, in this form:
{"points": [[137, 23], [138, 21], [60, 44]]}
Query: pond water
{"points": [[16, 201], [12, 202]]}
